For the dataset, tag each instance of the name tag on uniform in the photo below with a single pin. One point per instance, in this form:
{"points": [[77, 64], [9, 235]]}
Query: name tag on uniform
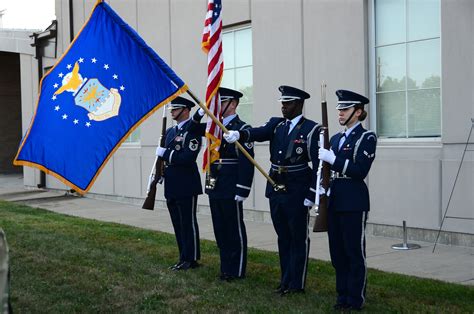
{"points": [[178, 139]]}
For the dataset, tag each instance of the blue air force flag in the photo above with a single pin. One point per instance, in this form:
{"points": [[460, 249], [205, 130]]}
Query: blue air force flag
{"points": [[102, 88]]}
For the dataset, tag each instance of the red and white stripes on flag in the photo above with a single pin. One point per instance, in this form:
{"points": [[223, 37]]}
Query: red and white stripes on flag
{"points": [[212, 45]]}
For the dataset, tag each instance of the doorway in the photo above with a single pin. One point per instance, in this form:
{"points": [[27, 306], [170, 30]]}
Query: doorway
{"points": [[10, 111]]}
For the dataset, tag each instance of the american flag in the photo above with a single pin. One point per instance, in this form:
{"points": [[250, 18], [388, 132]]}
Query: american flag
{"points": [[212, 45]]}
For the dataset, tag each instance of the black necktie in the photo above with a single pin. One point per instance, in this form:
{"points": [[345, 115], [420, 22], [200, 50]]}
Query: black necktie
{"points": [[287, 127], [342, 139], [171, 135]]}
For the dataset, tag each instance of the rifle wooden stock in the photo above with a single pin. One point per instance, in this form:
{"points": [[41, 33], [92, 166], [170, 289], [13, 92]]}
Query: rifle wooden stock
{"points": [[321, 221], [159, 168]]}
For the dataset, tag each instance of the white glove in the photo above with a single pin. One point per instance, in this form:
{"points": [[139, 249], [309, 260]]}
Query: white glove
{"points": [[327, 155], [160, 151], [201, 112], [232, 136], [239, 198], [308, 203], [321, 191]]}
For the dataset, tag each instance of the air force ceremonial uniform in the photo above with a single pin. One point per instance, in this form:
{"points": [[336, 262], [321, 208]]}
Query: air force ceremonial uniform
{"points": [[183, 185], [229, 183], [348, 205], [293, 144]]}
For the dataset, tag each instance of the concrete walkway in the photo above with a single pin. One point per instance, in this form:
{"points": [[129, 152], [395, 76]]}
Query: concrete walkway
{"points": [[448, 263]]}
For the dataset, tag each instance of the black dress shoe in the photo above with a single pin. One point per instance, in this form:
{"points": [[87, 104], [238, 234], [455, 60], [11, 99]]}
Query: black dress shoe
{"points": [[280, 289], [353, 308], [187, 265], [229, 278], [224, 276], [341, 306], [292, 291], [233, 278], [173, 267]]}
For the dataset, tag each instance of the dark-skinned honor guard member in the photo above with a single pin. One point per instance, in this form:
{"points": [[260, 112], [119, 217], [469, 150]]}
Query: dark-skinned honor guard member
{"points": [[182, 182], [228, 185], [293, 144], [351, 155]]}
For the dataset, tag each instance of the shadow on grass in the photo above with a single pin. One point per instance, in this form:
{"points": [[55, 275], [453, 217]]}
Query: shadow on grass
{"points": [[67, 264]]}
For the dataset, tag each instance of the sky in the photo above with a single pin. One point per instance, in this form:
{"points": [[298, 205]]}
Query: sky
{"points": [[27, 14]]}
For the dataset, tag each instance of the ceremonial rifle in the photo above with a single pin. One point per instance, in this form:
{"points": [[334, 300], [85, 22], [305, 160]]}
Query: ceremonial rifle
{"points": [[324, 171], [156, 175]]}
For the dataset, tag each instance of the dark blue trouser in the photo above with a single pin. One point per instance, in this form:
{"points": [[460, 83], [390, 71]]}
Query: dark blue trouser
{"points": [[231, 236], [346, 232], [186, 230], [290, 220]]}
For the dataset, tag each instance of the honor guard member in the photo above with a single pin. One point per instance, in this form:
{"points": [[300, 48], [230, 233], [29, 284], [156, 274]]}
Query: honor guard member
{"points": [[228, 185], [351, 155], [182, 182], [293, 144]]}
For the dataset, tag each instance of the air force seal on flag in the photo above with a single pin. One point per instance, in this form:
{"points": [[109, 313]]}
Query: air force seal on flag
{"points": [[90, 94], [107, 82]]}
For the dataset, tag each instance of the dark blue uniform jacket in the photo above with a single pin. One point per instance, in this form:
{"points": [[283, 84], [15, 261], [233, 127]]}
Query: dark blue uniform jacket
{"points": [[353, 161], [181, 173], [233, 171], [289, 155]]}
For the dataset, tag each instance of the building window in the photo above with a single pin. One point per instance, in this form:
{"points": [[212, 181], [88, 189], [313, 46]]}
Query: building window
{"points": [[134, 138], [408, 68], [238, 75]]}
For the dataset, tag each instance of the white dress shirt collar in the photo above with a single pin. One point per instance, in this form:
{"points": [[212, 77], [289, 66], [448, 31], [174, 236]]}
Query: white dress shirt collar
{"points": [[227, 119], [294, 122], [180, 125], [348, 131]]}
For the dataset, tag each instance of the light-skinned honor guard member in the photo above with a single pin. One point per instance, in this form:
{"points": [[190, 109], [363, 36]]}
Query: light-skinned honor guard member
{"points": [[351, 155], [228, 185], [293, 143], [182, 182]]}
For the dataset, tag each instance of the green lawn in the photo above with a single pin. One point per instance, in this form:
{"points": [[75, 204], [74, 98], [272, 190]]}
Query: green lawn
{"points": [[66, 264]]}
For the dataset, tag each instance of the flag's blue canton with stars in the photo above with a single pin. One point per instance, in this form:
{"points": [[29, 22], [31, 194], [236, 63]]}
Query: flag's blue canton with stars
{"points": [[102, 88], [217, 10]]}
